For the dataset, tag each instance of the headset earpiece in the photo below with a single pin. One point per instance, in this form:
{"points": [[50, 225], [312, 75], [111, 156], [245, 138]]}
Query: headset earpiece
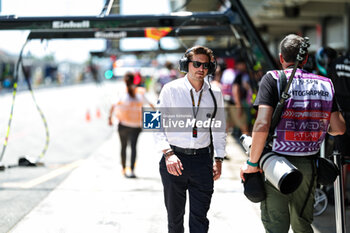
{"points": [[212, 66], [183, 63]]}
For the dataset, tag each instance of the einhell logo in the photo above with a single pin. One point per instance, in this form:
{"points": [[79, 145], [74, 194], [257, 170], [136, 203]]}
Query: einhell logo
{"points": [[70, 24], [110, 35]]}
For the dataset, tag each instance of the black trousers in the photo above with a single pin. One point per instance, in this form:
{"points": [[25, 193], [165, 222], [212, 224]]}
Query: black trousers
{"points": [[197, 178], [128, 134]]}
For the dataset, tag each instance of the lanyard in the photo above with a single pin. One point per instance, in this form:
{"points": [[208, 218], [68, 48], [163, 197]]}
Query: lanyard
{"points": [[195, 112]]}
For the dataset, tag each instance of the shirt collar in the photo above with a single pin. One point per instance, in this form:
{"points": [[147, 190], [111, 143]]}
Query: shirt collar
{"points": [[190, 87], [291, 68]]}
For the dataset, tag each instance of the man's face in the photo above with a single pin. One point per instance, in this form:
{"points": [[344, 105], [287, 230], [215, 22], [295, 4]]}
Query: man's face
{"points": [[196, 69]]}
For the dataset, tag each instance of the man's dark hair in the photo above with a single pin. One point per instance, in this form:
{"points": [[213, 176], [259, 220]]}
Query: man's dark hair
{"points": [[289, 47], [200, 50]]}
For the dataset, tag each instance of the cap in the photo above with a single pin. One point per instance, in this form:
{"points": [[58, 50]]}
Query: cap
{"points": [[254, 188], [327, 171]]}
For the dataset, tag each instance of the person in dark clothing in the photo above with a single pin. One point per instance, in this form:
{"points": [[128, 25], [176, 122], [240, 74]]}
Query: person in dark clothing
{"points": [[308, 115], [340, 74]]}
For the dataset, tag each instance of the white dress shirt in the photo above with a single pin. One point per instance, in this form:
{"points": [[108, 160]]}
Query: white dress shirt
{"points": [[177, 94]]}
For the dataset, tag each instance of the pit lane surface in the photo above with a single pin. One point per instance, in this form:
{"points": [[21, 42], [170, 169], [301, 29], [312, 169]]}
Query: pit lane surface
{"points": [[72, 140]]}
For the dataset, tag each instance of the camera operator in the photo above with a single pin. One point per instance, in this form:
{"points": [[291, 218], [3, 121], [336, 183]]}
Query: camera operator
{"points": [[307, 115]]}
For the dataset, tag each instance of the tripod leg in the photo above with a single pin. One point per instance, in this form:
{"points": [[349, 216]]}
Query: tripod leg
{"points": [[339, 196]]}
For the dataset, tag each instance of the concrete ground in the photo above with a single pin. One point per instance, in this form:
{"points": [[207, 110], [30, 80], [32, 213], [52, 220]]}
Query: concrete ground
{"points": [[97, 198]]}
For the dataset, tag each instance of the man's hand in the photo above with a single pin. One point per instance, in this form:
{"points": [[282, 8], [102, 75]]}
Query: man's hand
{"points": [[174, 165], [248, 169], [217, 170], [260, 132]]}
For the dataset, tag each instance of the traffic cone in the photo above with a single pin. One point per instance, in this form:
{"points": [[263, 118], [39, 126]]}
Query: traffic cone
{"points": [[87, 116], [2, 167], [98, 113]]}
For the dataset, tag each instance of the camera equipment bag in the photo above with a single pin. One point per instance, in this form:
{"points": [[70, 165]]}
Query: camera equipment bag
{"points": [[327, 171]]}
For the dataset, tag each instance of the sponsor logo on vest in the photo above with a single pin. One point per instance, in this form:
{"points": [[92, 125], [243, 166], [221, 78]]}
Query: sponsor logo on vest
{"points": [[303, 136], [71, 24], [306, 125], [318, 115], [301, 104]]}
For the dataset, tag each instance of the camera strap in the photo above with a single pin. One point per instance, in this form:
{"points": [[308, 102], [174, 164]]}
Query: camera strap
{"points": [[282, 82], [282, 89]]}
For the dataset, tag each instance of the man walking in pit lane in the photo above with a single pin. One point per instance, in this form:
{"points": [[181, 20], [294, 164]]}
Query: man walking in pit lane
{"points": [[187, 163]]}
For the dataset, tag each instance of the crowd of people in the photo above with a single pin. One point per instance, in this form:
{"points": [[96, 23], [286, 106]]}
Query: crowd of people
{"points": [[237, 87]]}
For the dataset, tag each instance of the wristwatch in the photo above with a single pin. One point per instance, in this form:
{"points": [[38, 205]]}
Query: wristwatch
{"points": [[168, 153], [219, 159]]}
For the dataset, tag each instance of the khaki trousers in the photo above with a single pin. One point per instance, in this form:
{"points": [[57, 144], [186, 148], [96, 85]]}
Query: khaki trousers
{"points": [[280, 211]]}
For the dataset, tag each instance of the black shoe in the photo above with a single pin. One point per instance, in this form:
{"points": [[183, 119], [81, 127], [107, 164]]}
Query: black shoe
{"points": [[132, 175]]}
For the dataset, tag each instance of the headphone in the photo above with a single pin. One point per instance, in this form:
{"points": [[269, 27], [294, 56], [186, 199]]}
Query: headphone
{"points": [[321, 61], [183, 62], [324, 57]]}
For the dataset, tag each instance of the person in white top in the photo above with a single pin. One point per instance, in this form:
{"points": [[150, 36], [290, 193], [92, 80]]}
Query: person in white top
{"points": [[128, 111], [187, 162]]}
